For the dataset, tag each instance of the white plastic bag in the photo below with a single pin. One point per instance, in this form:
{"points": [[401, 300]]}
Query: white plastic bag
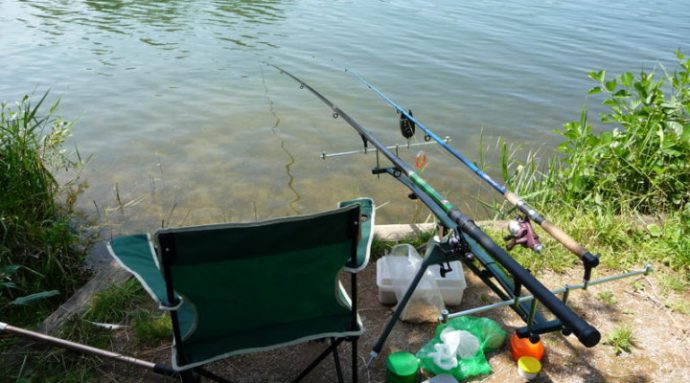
{"points": [[426, 302]]}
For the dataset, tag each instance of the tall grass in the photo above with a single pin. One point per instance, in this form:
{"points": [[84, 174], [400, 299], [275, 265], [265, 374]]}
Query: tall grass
{"points": [[38, 256]]}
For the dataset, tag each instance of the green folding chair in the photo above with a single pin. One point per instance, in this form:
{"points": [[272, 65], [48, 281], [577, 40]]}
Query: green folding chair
{"points": [[248, 287]]}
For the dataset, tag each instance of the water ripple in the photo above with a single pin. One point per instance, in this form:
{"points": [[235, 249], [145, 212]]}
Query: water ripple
{"points": [[179, 77]]}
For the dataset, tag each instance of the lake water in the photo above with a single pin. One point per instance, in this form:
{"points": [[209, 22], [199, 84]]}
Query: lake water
{"points": [[186, 125]]}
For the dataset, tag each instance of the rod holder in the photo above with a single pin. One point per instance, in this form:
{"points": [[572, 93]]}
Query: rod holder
{"points": [[563, 290], [395, 147]]}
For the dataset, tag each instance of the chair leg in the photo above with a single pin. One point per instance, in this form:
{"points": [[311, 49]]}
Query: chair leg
{"points": [[355, 356], [336, 360]]}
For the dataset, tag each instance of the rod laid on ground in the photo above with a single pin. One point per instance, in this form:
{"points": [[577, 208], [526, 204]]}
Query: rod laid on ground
{"points": [[155, 367], [587, 334], [588, 258]]}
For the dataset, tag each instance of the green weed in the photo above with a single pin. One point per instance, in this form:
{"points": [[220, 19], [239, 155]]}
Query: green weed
{"points": [[674, 282], [607, 298], [621, 339], [679, 306], [150, 329]]}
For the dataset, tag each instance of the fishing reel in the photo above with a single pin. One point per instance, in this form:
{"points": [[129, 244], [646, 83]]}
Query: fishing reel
{"points": [[522, 233], [453, 248]]}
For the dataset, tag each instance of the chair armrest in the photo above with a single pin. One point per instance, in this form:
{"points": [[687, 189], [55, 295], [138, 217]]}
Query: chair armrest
{"points": [[135, 253], [367, 218]]}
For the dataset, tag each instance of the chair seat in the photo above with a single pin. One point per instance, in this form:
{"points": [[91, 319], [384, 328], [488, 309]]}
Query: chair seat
{"points": [[266, 339]]}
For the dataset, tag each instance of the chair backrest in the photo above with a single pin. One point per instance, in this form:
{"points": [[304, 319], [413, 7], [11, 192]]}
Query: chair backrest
{"points": [[239, 277]]}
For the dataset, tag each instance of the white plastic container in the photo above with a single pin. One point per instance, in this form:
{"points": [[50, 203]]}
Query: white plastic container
{"points": [[389, 266]]}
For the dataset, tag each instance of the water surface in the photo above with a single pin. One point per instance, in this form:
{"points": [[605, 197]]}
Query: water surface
{"points": [[182, 118]]}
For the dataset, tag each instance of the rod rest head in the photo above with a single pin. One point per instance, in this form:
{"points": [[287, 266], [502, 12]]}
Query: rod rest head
{"points": [[589, 261]]}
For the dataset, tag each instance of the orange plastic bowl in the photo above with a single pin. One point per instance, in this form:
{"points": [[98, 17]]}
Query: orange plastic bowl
{"points": [[523, 347]]}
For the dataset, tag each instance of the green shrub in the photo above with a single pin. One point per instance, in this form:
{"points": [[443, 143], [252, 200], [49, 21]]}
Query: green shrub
{"points": [[643, 163], [602, 187]]}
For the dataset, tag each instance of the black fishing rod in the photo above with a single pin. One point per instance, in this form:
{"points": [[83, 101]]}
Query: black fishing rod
{"points": [[446, 212], [589, 260]]}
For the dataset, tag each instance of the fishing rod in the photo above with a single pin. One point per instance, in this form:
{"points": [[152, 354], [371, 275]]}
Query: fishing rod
{"points": [[407, 119], [464, 230]]}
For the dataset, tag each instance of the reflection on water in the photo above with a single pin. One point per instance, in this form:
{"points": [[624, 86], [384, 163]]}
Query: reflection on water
{"points": [[171, 98], [162, 24], [257, 11]]}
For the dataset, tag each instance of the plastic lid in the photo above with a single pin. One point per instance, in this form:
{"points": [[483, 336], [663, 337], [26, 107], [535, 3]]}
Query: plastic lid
{"points": [[529, 364], [402, 364]]}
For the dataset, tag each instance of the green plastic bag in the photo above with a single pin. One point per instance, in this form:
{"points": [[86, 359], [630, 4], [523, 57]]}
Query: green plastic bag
{"points": [[458, 347]]}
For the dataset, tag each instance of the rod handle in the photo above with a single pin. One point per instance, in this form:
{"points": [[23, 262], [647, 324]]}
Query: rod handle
{"points": [[564, 238], [547, 225]]}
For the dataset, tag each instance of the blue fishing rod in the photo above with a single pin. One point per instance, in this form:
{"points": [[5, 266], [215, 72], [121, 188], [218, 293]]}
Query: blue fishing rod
{"points": [[407, 124]]}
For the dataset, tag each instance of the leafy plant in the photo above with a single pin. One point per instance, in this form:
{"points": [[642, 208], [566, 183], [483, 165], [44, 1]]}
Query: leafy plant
{"points": [[642, 164], [621, 188]]}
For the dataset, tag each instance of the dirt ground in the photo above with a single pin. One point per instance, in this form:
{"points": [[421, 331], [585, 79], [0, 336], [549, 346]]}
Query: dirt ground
{"points": [[660, 352]]}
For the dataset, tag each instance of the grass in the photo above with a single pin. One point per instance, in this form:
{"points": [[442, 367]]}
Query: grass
{"points": [[679, 305], [150, 329], [621, 339], [114, 304], [126, 306], [607, 298], [675, 282], [40, 259]]}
